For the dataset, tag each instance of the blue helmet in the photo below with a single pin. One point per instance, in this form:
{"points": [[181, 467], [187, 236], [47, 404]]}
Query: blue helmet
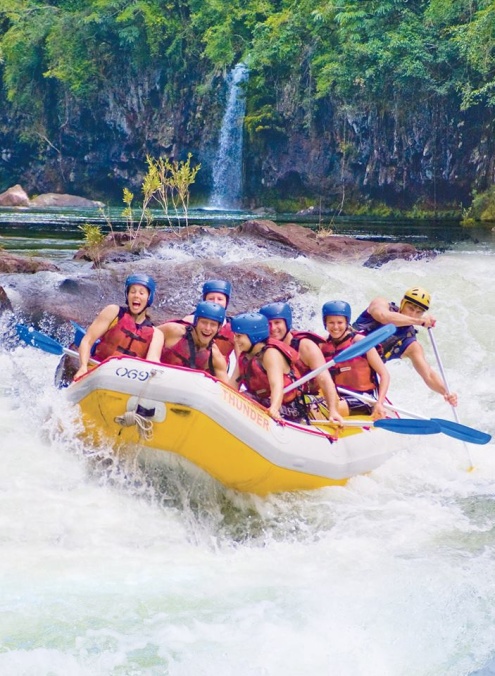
{"points": [[144, 280], [209, 310], [336, 308], [218, 286], [253, 324], [278, 311]]}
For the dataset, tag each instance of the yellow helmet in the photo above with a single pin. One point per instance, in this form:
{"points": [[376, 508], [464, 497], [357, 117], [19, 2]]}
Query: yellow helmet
{"points": [[416, 296]]}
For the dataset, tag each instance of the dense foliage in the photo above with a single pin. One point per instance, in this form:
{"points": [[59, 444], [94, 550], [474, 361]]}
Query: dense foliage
{"points": [[371, 51], [387, 56]]}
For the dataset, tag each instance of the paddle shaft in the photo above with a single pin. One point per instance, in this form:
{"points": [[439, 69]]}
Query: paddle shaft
{"points": [[397, 425], [441, 369], [444, 378], [346, 423], [368, 399], [73, 353], [448, 427], [355, 350]]}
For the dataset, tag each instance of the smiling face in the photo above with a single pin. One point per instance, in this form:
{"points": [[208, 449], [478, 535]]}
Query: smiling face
{"points": [[336, 326], [217, 297], [137, 298], [278, 328], [206, 329], [412, 310], [242, 342]]}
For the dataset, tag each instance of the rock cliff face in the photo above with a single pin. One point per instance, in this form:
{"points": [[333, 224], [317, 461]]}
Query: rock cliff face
{"points": [[433, 154]]}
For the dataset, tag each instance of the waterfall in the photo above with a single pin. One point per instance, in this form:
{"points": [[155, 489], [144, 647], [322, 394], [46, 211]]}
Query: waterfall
{"points": [[227, 169]]}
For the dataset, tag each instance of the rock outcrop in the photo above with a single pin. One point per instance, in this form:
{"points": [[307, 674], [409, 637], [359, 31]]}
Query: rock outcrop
{"points": [[121, 247], [62, 201], [327, 245], [11, 263], [80, 296], [14, 197]]}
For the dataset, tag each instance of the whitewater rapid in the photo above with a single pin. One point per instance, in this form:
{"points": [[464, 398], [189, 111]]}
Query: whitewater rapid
{"points": [[106, 571]]}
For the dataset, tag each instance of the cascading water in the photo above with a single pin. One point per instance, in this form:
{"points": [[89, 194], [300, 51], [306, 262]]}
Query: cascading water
{"points": [[227, 169]]}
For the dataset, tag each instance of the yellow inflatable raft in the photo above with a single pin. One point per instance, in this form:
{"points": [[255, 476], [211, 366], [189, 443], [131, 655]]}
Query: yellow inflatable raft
{"points": [[166, 410]]}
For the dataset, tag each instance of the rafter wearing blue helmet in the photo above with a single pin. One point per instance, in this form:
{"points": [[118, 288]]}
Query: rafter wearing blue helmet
{"points": [[125, 330], [310, 357], [336, 308], [193, 345], [265, 366], [365, 374], [214, 289], [278, 310], [144, 280]]}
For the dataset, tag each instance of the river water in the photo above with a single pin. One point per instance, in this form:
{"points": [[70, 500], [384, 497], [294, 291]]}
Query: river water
{"points": [[108, 572]]}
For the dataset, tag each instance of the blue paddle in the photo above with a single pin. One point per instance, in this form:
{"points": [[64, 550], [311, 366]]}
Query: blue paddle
{"points": [[462, 432], [448, 427], [407, 426], [359, 347], [44, 342], [398, 425]]}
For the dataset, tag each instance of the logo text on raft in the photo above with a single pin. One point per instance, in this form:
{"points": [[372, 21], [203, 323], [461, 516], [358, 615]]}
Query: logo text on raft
{"points": [[241, 404], [133, 374]]}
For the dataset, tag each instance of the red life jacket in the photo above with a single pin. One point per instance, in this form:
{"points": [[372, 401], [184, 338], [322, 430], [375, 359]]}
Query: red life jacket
{"points": [[185, 353], [355, 374], [311, 386], [253, 374], [225, 340], [125, 337]]}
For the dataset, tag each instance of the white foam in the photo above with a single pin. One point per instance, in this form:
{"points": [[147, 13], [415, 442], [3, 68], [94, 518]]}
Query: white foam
{"points": [[104, 571]]}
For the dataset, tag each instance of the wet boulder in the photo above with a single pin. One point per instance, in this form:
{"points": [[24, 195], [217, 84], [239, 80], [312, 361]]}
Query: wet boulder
{"points": [[80, 297], [5, 304], [384, 253], [326, 244], [10, 263], [306, 241]]}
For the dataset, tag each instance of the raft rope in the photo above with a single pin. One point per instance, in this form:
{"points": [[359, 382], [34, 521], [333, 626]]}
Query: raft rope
{"points": [[142, 419], [143, 424]]}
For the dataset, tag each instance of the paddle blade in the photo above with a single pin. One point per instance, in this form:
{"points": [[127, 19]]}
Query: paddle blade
{"points": [[39, 340], [362, 346], [407, 426], [462, 432]]}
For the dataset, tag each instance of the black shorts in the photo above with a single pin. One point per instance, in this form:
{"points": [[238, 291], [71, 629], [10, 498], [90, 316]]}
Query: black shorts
{"points": [[294, 412], [356, 406]]}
